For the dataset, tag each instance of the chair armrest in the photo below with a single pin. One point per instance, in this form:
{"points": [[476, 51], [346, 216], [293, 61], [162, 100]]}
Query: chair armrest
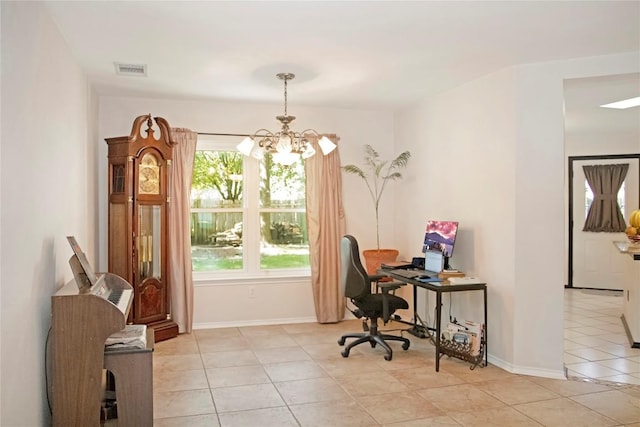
{"points": [[390, 286], [376, 277]]}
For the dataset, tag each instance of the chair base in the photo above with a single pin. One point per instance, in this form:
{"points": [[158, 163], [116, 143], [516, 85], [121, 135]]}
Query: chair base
{"points": [[374, 338]]}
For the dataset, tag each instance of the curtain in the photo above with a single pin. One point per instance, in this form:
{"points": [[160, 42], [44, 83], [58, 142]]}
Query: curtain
{"points": [[180, 269], [605, 182], [326, 226]]}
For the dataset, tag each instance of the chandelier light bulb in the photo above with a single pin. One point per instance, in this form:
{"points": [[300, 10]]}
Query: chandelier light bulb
{"points": [[284, 144]]}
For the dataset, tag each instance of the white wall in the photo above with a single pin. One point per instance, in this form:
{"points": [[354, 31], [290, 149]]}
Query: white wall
{"points": [[496, 162], [463, 143], [44, 196], [227, 302]]}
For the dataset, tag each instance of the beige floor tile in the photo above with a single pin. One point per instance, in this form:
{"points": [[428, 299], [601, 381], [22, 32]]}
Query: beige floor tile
{"points": [[363, 385], [444, 421], [622, 365], [180, 345], [398, 407], [569, 359], [213, 345], [591, 354], [179, 380], [218, 333], [271, 341], [623, 378], [416, 379], [355, 363], [495, 417], [569, 388], [208, 420], [461, 370], [225, 359], [311, 390], [237, 375], [343, 413], [516, 390], [278, 355], [614, 404], [562, 412], [323, 351], [169, 404], [589, 330], [185, 362], [262, 330], [246, 397], [268, 417], [322, 337], [589, 341], [620, 350], [570, 345], [592, 369], [291, 371], [459, 398]]}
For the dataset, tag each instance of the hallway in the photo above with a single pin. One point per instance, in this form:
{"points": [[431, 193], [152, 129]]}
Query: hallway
{"points": [[595, 342]]}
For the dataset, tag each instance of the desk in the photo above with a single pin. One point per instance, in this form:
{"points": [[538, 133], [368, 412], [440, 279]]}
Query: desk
{"points": [[439, 289]]}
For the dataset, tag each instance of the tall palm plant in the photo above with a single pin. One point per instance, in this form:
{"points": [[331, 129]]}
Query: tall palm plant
{"points": [[376, 174]]}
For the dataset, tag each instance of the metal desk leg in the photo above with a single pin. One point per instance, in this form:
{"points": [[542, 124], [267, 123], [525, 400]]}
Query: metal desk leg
{"points": [[438, 321]]}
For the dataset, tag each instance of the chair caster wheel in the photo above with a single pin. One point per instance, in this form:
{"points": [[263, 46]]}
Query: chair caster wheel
{"points": [[373, 344], [341, 341], [405, 346], [387, 357], [345, 353]]}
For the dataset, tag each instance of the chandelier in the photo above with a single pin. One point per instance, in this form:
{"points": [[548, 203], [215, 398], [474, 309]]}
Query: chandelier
{"points": [[285, 146]]}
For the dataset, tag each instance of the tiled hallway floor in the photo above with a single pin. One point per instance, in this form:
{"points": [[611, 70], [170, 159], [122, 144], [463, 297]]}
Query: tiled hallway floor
{"points": [[595, 343], [293, 375]]}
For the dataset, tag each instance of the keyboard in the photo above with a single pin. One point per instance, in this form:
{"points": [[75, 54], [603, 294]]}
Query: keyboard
{"points": [[411, 274]]}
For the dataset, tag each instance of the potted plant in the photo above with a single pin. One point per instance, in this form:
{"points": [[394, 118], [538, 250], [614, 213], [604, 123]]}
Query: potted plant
{"points": [[376, 173]]}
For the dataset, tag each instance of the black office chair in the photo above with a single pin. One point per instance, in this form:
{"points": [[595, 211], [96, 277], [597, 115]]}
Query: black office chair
{"points": [[356, 284]]}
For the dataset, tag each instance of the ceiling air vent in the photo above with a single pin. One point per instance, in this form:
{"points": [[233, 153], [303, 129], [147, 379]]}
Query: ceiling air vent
{"points": [[131, 69]]}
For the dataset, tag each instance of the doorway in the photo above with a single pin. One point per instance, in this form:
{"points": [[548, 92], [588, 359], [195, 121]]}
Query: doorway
{"points": [[594, 262]]}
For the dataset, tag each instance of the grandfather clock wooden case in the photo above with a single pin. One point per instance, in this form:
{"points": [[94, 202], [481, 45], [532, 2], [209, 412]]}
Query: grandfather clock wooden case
{"points": [[139, 166]]}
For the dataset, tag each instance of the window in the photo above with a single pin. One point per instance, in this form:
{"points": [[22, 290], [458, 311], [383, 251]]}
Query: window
{"points": [[247, 216], [588, 198]]}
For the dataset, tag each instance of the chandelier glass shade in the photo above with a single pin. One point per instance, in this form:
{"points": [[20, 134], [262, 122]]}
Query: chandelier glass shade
{"points": [[285, 146]]}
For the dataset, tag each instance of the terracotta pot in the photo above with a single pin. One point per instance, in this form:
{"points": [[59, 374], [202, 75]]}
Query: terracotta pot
{"points": [[375, 257]]}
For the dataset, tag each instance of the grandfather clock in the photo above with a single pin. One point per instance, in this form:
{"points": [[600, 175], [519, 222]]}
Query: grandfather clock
{"points": [[139, 166]]}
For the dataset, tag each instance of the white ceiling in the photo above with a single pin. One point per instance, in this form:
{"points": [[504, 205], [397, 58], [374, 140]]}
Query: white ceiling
{"points": [[349, 54]]}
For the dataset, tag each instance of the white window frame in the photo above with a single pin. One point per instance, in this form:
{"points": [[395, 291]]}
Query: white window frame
{"points": [[251, 222]]}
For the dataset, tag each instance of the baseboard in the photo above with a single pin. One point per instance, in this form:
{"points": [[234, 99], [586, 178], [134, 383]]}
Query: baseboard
{"points": [[264, 322], [527, 370]]}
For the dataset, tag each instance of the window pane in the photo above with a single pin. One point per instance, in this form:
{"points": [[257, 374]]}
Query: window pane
{"points": [[217, 179], [281, 186], [284, 240], [216, 241]]}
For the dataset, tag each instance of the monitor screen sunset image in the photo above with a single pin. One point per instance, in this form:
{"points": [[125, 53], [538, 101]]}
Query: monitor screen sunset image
{"points": [[440, 235]]}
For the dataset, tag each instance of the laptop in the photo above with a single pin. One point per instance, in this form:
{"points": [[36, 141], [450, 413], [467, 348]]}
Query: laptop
{"points": [[433, 264]]}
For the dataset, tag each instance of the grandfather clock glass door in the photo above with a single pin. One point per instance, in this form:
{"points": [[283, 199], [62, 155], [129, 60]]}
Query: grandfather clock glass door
{"points": [[149, 262]]}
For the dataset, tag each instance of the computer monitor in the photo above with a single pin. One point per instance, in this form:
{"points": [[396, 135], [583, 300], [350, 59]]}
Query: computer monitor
{"points": [[441, 236]]}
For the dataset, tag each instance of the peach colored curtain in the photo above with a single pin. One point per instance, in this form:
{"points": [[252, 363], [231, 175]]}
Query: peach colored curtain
{"points": [[326, 226], [180, 270]]}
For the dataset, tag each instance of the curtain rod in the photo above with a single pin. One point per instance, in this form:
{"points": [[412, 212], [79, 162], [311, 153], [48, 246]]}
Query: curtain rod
{"points": [[221, 134]]}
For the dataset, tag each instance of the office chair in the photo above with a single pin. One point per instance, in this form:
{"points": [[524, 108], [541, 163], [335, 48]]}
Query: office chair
{"points": [[356, 284]]}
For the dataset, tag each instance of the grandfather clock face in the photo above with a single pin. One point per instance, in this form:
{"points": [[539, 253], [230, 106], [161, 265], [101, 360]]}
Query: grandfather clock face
{"points": [[149, 175]]}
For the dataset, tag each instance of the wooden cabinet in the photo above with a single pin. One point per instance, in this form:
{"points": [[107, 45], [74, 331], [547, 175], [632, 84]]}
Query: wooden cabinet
{"points": [[139, 171]]}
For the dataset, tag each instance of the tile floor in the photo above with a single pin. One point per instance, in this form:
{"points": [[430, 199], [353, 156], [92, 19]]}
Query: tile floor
{"points": [[595, 343], [293, 375]]}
